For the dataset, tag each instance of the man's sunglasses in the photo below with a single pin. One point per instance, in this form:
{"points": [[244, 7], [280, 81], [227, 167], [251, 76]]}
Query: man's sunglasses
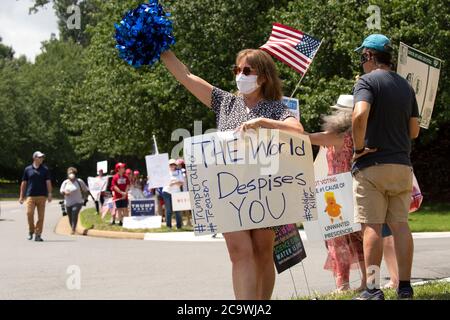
{"points": [[363, 58], [237, 70]]}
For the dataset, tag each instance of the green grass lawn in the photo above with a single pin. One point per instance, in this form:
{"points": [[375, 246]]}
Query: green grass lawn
{"points": [[431, 217], [90, 219], [436, 290]]}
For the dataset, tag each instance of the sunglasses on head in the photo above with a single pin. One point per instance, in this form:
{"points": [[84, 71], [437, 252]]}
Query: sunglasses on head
{"points": [[238, 70]]}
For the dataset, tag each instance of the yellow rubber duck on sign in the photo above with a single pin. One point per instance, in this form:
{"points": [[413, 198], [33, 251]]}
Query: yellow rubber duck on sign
{"points": [[332, 209]]}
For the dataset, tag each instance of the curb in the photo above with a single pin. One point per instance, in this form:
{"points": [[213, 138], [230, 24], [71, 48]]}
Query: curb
{"points": [[421, 283], [63, 228]]}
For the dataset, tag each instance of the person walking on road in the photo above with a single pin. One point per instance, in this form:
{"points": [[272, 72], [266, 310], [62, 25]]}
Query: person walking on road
{"points": [[72, 189], [36, 186]]}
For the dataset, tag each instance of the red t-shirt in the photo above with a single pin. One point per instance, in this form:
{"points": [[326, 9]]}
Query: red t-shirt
{"points": [[121, 182]]}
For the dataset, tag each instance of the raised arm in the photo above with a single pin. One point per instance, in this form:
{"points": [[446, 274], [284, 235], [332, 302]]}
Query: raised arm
{"points": [[200, 88]]}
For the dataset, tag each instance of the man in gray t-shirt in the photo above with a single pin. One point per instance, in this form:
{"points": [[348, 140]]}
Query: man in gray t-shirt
{"points": [[385, 119]]}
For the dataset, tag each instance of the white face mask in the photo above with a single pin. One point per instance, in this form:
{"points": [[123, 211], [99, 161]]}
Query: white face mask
{"points": [[71, 176], [247, 84]]}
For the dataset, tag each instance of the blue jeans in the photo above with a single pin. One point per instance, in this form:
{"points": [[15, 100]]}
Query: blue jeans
{"points": [[167, 197], [72, 212]]}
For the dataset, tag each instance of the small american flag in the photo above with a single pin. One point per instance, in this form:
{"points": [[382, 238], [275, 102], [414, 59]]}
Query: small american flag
{"points": [[292, 47]]}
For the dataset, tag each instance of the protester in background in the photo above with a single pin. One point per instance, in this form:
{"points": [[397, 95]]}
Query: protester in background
{"points": [[101, 196], [109, 205], [135, 192], [385, 119], [37, 187], [344, 252], [128, 173], [174, 186], [72, 189], [256, 105], [182, 166], [120, 186]]}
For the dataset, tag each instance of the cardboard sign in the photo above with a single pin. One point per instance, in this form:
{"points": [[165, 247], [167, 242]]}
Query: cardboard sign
{"points": [[261, 179], [181, 201], [288, 249], [142, 222], [142, 207], [334, 196], [293, 106], [422, 72], [97, 185], [102, 165], [158, 170]]}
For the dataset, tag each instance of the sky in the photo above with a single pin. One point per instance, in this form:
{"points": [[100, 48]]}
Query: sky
{"points": [[25, 32]]}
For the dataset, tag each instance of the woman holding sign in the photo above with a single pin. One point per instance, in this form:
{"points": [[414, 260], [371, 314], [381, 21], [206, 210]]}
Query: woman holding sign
{"points": [[256, 105]]}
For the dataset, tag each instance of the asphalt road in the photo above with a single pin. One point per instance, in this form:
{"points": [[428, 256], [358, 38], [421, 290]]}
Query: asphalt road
{"points": [[137, 269]]}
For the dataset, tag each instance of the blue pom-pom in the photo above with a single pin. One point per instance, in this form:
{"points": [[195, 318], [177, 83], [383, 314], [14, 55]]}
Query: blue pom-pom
{"points": [[143, 34]]}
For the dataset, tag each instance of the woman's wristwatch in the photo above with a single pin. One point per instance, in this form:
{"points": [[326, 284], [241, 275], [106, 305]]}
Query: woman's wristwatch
{"points": [[359, 151]]}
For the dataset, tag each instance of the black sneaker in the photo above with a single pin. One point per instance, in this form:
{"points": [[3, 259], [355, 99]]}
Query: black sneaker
{"points": [[120, 223], [406, 293], [366, 295], [30, 236], [112, 223], [38, 238]]}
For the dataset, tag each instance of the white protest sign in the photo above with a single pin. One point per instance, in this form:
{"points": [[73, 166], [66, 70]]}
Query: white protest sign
{"points": [[422, 72], [181, 201], [158, 170], [102, 165], [293, 106], [142, 222], [334, 195], [97, 185], [260, 180]]}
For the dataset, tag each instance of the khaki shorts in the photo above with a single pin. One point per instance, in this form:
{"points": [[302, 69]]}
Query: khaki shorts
{"points": [[382, 193]]}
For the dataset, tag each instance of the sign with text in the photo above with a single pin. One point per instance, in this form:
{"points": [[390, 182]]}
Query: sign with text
{"points": [[242, 182], [422, 72], [97, 185], [158, 170], [102, 165], [181, 201], [142, 207], [293, 106], [334, 196], [142, 222], [288, 249]]}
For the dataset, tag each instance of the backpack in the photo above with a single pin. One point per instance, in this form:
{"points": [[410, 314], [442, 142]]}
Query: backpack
{"points": [[84, 194]]}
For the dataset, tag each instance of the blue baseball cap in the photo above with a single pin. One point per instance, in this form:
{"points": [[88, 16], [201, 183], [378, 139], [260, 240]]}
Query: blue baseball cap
{"points": [[377, 42]]}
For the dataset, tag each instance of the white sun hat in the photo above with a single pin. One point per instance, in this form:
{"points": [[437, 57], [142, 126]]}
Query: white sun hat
{"points": [[345, 102]]}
